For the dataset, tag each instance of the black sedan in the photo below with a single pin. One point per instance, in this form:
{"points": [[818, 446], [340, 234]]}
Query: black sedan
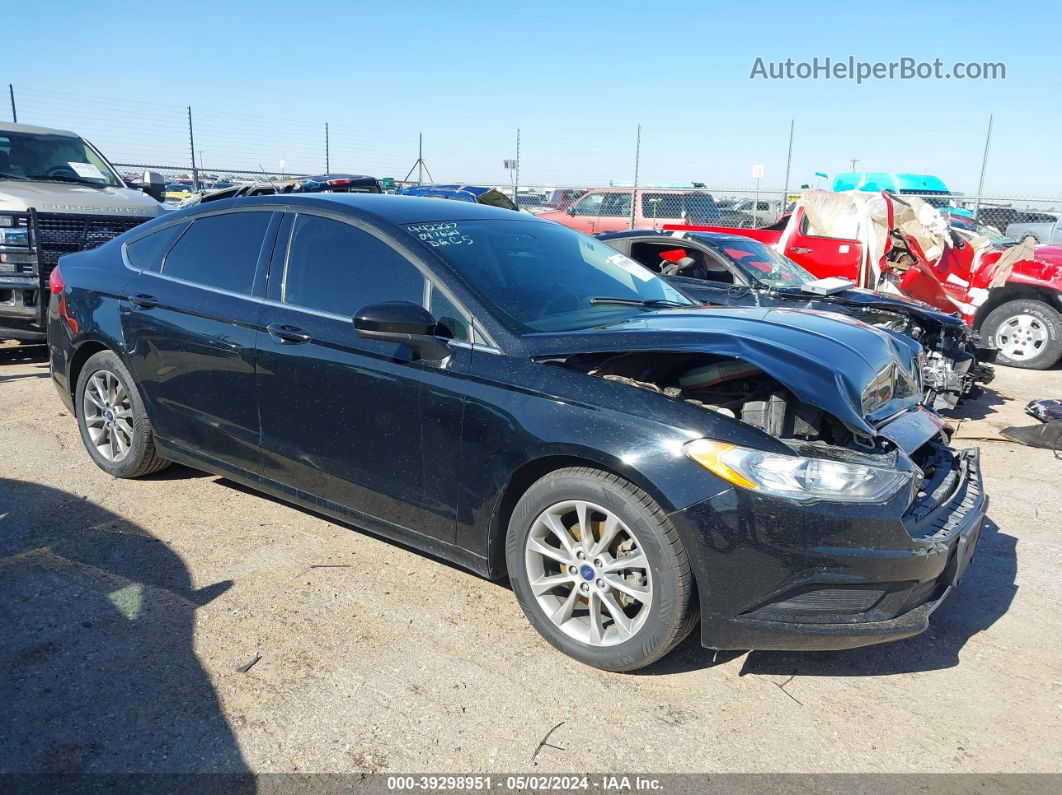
{"points": [[525, 401], [732, 270]]}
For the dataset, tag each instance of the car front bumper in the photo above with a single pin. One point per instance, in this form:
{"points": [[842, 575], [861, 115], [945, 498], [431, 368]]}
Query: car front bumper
{"points": [[772, 574]]}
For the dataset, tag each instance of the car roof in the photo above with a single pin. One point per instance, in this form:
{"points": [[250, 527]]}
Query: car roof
{"points": [[33, 130], [386, 207]]}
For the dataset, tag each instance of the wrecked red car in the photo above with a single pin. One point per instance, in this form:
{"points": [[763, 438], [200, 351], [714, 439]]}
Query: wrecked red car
{"points": [[1009, 291]]}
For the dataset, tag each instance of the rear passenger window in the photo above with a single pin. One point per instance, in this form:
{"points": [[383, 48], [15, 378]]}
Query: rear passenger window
{"points": [[219, 251], [147, 252], [337, 268]]}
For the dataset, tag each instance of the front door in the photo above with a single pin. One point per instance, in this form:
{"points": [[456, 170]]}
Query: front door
{"points": [[585, 213], [344, 418]]}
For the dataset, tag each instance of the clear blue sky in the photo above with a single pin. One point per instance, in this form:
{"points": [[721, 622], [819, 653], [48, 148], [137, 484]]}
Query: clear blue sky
{"points": [[576, 77]]}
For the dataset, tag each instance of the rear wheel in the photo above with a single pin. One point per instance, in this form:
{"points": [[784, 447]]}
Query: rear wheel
{"points": [[1027, 332], [114, 425], [599, 570]]}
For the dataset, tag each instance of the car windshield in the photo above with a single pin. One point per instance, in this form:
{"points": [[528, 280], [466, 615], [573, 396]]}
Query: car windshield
{"points": [[53, 157], [542, 276], [762, 264]]}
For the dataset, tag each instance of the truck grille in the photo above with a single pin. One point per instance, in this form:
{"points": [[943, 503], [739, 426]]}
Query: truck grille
{"points": [[63, 234]]}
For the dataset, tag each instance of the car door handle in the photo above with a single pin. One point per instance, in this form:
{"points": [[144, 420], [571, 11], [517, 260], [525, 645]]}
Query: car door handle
{"points": [[143, 300], [800, 250], [288, 335]]}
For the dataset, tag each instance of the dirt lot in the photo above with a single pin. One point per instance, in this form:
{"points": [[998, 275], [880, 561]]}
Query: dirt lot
{"points": [[130, 611]]}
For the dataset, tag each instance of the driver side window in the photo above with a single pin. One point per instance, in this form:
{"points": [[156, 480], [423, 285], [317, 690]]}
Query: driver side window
{"points": [[590, 204]]}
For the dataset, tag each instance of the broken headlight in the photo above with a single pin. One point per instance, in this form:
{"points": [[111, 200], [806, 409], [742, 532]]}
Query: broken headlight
{"points": [[796, 477]]}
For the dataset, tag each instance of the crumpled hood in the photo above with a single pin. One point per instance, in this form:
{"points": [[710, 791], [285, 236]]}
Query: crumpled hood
{"points": [[827, 360], [55, 197], [861, 297]]}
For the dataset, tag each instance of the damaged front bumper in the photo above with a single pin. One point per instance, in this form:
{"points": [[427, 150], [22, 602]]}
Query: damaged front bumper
{"points": [[773, 574]]}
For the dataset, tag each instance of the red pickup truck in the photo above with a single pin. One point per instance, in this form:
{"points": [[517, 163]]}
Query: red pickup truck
{"points": [[1008, 290]]}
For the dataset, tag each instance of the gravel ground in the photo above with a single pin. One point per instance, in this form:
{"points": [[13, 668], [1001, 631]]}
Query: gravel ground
{"points": [[181, 623]]}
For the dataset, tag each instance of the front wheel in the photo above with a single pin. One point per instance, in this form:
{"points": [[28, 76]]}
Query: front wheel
{"points": [[113, 422], [599, 570], [1027, 332]]}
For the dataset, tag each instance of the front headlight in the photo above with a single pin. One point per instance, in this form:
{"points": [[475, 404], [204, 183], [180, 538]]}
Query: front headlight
{"points": [[796, 477]]}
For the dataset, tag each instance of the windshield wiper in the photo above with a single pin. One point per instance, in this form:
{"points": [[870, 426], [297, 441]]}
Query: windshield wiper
{"points": [[14, 176], [72, 181], [647, 302]]}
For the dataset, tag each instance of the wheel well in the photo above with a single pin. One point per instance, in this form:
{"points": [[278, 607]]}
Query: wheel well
{"points": [[82, 355], [522, 479], [1012, 292]]}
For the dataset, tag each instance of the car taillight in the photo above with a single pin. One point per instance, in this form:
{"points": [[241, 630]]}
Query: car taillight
{"points": [[55, 281]]}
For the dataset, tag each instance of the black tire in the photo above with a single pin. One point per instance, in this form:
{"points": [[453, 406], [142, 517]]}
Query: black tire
{"points": [[141, 457], [1045, 316], [673, 609]]}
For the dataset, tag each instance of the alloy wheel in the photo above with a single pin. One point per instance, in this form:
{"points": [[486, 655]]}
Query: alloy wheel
{"points": [[1021, 337], [588, 573], [108, 416]]}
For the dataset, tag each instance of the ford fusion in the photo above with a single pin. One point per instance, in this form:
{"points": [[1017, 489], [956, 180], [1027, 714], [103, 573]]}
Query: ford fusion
{"points": [[525, 401]]}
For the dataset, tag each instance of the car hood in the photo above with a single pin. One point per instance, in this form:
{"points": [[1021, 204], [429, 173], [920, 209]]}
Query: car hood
{"points": [[826, 360], [860, 297], [55, 197]]}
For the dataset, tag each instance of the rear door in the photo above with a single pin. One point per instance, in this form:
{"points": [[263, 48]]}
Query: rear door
{"points": [[821, 254], [348, 419], [189, 320]]}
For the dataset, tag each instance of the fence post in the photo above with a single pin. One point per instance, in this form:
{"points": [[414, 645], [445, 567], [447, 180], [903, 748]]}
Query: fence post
{"points": [[637, 161], [328, 166], [516, 181], [191, 144], [984, 163], [14, 113], [788, 163]]}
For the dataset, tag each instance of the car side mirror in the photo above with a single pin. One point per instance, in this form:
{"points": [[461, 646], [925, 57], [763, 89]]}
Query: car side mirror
{"points": [[571, 209], [153, 184], [403, 322]]}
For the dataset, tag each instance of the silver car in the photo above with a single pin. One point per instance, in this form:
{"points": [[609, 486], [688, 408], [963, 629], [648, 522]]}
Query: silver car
{"points": [[1043, 232]]}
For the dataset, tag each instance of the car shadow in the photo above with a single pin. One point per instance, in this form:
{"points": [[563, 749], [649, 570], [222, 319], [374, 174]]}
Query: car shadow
{"points": [[98, 674], [984, 595], [23, 354], [985, 405]]}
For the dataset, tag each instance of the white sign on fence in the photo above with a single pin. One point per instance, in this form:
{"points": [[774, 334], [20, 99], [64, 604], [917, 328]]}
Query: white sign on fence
{"points": [[757, 171]]}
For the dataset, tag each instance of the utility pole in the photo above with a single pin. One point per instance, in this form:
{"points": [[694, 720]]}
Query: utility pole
{"points": [[637, 162], [14, 113], [788, 163], [328, 167], [854, 161], [191, 145], [984, 164]]}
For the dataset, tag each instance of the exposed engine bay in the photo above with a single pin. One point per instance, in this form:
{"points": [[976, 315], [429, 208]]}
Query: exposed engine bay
{"points": [[952, 360], [744, 392], [734, 389]]}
